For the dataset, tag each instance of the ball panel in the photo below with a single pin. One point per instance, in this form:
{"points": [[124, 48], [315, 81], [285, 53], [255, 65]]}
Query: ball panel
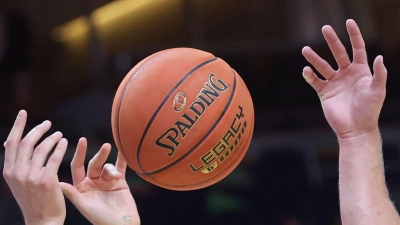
{"points": [[210, 146], [149, 85], [154, 179], [118, 96], [214, 159], [173, 134]]}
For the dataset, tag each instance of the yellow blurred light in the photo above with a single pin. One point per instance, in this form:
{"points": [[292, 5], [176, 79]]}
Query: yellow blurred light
{"points": [[73, 29], [78, 28], [117, 9]]}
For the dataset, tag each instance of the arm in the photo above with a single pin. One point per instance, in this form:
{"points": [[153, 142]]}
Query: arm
{"points": [[352, 98], [34, 184], [364, 198]]}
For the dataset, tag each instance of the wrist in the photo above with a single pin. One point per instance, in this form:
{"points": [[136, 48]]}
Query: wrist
{"points": [[56, 221], [360, 136]]}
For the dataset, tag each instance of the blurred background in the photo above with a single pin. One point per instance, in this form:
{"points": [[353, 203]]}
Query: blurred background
{"points": [[63, 61]]}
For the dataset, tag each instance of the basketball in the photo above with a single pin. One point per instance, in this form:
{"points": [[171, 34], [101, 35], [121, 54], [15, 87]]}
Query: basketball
{"points": [[183, 119]]}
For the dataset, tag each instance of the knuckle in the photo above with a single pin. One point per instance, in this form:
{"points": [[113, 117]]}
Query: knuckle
{"points": [[39, 149], [19, 177], [10, 142], [25, 143], [91, 162], [54, 159], [7, 174], [32, 181], [43, 184]]}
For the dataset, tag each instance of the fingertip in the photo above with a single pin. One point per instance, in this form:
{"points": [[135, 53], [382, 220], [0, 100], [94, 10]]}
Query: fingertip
{"points": [[305, 49], [106, 146], [378, 61], [82, 141], [63, 141], [307, 70], [380, 58], [46, 123], [349, 21], [326, 27], [21, 114]]}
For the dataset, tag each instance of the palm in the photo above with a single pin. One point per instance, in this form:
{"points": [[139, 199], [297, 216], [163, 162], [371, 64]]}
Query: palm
{"points": [[351, 97], [106, 197], [103, 195]]}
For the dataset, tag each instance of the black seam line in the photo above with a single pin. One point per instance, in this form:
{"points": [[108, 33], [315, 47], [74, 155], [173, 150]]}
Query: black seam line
{"points": [[204, 137], [122, 98], [227, 167], [159, 108]]}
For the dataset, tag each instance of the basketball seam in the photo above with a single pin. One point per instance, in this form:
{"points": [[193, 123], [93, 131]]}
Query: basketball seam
{"points": [[202, 139], [122, 98], [227, 167], [188, 185], [156, 113]]}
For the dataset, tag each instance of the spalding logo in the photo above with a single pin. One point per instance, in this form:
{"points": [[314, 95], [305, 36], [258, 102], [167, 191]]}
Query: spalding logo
{"points": [[170, 139]]}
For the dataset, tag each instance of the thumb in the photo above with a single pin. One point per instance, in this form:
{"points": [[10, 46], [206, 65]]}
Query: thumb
{"points": [[110, 173], [312, 79], [71, 193], [380, 73]]}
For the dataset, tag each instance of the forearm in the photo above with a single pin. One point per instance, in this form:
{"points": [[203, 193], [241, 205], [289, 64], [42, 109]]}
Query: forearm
{"points": [[364, 197]]}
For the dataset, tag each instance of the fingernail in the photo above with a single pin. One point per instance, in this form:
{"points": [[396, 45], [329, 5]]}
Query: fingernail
{"points": [[63, 141], [5, 144], [45, 122], [58, 133], [20, 114]]}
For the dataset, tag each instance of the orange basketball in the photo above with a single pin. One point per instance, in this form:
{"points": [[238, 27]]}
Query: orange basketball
{"points": [[183, 119]]}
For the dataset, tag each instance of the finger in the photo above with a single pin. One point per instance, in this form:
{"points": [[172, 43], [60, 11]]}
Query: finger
{"points": [[312, 79], [96, 163], [56, 158], [321, 65], [13, 140], [78, 162], [72, 194], [357, 42], [41, 151], [109, 172], [121, 164], [27, 144], [380, 74], [336, 46]]}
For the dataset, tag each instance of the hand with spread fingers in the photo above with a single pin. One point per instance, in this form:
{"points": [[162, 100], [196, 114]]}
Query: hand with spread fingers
{"points": [[102, 194], [35, 185], [351, 96]]}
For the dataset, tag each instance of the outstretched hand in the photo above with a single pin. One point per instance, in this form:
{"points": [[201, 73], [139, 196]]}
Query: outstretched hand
{"points": [[102, 194], [351, 96], [33, 182]]}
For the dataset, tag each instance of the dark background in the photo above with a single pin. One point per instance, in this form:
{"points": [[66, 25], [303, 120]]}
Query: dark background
{"points": [[63, 61]]}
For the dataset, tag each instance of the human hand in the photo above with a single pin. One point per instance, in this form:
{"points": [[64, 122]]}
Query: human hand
{"points": [[102, 195], [35, 186], [351, 97]]}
